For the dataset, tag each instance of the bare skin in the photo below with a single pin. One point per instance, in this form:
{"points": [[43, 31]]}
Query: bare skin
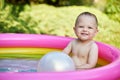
{"points": [[84, 50]]}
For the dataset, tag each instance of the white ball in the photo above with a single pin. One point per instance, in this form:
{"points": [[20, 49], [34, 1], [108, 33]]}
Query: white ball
{"points": [[55, 61]]}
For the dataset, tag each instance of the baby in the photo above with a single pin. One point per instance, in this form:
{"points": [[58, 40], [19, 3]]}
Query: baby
{"points": [[84, 50]]}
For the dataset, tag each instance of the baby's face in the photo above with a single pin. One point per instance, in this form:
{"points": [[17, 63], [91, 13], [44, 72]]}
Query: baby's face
{"points": [[86, 27]]}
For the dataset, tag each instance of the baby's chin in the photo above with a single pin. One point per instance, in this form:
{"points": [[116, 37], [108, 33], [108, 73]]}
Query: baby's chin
{"points": [[84, 39]]}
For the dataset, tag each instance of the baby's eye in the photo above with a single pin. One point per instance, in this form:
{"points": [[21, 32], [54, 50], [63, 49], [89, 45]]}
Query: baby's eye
{"points": [[90, 28], [81, 26]]}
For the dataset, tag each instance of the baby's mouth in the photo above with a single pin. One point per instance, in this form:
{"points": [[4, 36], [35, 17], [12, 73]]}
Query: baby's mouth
{"points": [[85, 34]]}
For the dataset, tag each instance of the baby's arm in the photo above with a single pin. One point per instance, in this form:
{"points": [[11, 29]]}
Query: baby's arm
{"points": [[67, 49], [92, 59]]}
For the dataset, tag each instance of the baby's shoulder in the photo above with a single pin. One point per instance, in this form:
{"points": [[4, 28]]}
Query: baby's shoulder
{"points": [[94, 45], [74, 41]]}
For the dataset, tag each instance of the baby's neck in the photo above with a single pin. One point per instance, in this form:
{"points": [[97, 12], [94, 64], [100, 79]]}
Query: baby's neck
{"points": [[85, 41]]}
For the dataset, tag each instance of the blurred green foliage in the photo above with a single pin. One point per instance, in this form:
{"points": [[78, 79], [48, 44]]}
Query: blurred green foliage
{"points": [[53, 2], [44, 19], [112, 9], [109, 7], [1, 4]]}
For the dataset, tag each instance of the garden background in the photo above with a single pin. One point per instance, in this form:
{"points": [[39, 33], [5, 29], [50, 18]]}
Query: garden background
{"points": [[57, 17]]}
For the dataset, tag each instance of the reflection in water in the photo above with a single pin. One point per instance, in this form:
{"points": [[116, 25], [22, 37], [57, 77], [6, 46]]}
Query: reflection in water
{"points": [[18, 65]]}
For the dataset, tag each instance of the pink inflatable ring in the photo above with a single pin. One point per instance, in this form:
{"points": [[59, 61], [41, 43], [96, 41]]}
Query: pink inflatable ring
{"points": [[111, 54]]}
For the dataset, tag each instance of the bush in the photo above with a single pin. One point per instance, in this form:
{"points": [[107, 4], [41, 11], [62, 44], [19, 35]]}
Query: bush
{"points": [[44, 19], [112, 9]]}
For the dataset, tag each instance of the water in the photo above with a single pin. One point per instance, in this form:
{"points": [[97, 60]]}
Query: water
{"points": [[18, 65]]}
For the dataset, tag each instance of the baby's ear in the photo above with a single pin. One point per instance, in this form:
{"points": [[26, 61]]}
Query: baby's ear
{"points": [[74, 28], [97, 30]]}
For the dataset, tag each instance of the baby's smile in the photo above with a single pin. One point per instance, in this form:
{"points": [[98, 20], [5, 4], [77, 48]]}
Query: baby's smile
{"points": [[84, 34]]}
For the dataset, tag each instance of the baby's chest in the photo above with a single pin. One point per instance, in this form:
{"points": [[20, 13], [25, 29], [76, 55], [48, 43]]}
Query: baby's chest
{"points": [[81, 51]]}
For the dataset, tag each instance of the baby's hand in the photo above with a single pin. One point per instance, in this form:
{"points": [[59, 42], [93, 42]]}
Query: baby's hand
{"points": [[79, 68]]}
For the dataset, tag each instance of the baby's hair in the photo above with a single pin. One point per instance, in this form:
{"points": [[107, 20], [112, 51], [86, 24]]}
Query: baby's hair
{"points": [[88, 14]]}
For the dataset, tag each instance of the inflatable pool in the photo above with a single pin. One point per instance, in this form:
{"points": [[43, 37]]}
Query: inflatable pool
{"points": [[109, 57]]}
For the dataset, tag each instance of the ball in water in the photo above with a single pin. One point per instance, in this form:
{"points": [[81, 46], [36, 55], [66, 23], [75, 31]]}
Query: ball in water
{"points": [[55, 62]]}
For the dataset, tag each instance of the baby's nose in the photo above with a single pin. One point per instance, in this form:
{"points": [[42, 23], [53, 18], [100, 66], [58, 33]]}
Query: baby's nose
{"points": [[85, 29]]}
